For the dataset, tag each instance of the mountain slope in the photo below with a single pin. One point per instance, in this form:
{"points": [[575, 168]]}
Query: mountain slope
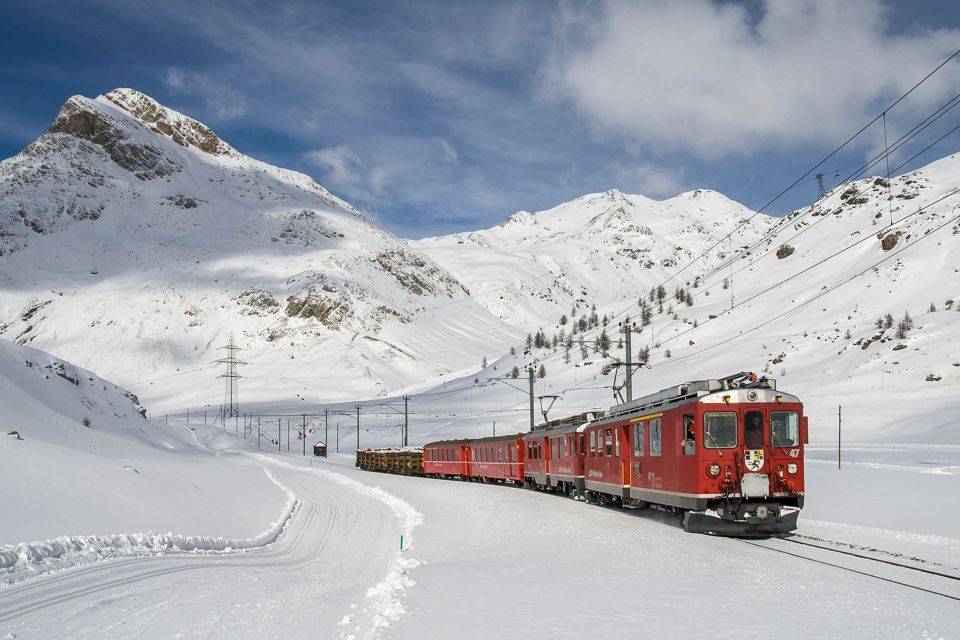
{"points": [[77, 457], [134, 241], [598, 249], [803, 305]]}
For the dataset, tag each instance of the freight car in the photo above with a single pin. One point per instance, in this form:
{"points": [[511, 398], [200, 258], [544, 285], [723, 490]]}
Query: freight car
{"points": [[726, 454]]}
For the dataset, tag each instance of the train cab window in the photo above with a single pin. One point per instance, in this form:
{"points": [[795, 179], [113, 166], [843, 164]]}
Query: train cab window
{"points": [[784, 429], [553, 448], [608, 437], [720, 430], [753, 430], [689, 436], [655, 437], [563, 446], [583, 441], [616, 443], [593, 443], [638, 439]]}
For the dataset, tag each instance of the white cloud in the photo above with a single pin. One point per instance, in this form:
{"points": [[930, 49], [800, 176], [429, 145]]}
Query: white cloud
{"points": [[649, 180], [345, 171], [715, 80], [223, 101], [449, 151]]}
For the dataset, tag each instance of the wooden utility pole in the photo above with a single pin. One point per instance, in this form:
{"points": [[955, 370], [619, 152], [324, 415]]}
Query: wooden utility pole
{"points": [[358, 427], [326, 429], [304, 434], [279, 439], [406, 420]]}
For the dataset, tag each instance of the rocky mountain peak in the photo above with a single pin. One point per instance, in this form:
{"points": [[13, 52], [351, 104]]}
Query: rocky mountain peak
{"points": [[182, 129]]}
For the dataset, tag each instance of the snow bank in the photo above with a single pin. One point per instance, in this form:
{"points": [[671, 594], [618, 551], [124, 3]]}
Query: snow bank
{"points": [[20, 561]]}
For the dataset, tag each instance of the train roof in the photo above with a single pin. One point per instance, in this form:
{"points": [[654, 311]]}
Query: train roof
{"points": [[696, 390], [443, 443]]}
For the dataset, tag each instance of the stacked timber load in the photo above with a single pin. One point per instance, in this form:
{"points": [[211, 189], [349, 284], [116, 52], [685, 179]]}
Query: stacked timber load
{"points": [[406, 461]]}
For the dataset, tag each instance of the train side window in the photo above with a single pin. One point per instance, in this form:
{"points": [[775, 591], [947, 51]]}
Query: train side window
{"points": [[753, 430], [689, 436], [583, 441], [616, 443], [638, 439], [608, 438], [655, 437], [593, 443], [784, 429]]}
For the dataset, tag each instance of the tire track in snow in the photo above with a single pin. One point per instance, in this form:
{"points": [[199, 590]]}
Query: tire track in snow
{"points": [[382, 605]]}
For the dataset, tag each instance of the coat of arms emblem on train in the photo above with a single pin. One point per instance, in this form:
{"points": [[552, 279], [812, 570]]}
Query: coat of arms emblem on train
{"points": [[753, 459]]}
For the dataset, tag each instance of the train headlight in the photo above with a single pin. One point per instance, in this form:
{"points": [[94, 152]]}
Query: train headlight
{"points": [[713, 469], [762, 512], [792, 468]]}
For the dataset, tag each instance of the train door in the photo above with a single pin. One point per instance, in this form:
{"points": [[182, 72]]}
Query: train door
{"points": [[623, 436], [756, 453], [656, 472], [688, 474]]}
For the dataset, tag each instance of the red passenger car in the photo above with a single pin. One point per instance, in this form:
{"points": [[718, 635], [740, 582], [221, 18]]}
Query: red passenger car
{"points": [[497, 458], [555, 456], [446, 459]]}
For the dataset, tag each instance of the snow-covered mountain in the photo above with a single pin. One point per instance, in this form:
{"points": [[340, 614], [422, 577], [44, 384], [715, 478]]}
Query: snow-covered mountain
{"points": [[599, 249], [134, 241], [815, 301]]}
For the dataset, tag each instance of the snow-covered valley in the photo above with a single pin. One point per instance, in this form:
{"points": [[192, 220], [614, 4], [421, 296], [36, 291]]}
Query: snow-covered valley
{"points": [[134, 242]]}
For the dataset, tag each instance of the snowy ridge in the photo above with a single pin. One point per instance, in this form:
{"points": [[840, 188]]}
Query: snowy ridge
{"points": [[599, 248], [27, 559]]}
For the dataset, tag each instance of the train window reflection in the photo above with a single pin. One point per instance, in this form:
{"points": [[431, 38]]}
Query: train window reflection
{"points": [[655, 437], [720, 430], [784, 429]]}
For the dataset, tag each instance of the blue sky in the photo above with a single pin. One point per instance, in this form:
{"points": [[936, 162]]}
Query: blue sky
{"points": [[440, 116]]}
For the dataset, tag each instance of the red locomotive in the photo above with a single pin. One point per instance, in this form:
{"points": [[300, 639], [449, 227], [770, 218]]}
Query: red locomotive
{"points": [[725, 453]]}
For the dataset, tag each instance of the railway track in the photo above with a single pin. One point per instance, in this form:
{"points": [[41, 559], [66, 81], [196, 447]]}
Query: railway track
{"points": [[858, 560]]}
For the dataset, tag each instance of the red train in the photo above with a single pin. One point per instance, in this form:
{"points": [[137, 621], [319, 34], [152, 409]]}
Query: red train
{"points": [[726, 454]]}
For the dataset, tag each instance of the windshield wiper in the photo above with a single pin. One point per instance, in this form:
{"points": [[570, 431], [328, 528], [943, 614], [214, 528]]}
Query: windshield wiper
{"points": [[715, 445]]}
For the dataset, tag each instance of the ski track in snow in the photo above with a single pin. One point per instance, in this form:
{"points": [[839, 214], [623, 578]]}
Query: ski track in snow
{"points": [[28, 559], [382, 605]]}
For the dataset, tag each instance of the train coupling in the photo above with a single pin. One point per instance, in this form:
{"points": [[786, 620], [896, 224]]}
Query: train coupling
{"points": [[749, 520]]}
